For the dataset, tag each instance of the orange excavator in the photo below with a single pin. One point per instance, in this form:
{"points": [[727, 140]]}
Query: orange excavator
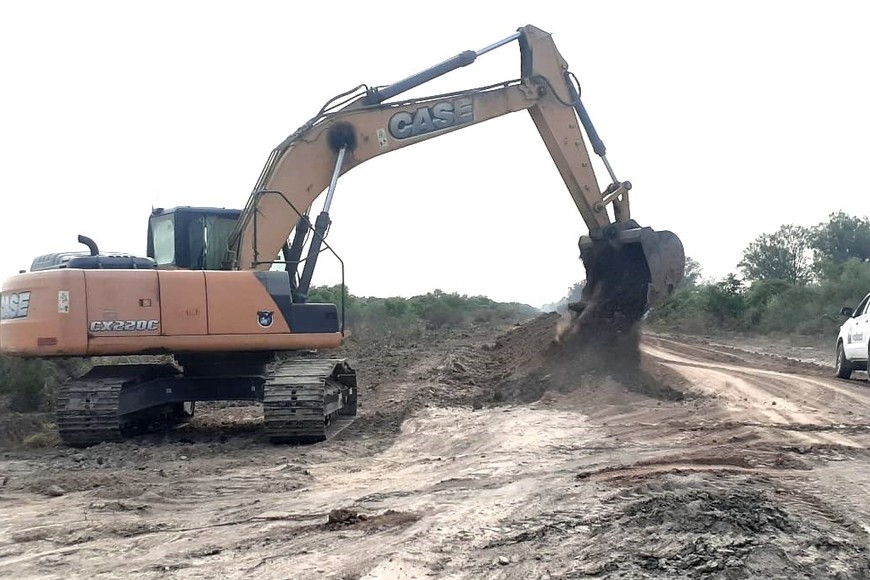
{"points": [[209, 294]]}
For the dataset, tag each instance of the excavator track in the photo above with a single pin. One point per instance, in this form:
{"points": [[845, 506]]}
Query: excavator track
{"points": [[88, 408], [306, 401], [87, 411]]}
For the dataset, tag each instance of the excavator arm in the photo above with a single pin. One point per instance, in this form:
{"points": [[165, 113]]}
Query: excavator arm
{"points": [[618, 254]]}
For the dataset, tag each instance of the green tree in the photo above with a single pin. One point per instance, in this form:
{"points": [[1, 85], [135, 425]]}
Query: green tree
{"points": [[575, 291], [684, 311], [842, 238], [691, 275], [396, 307], [330, 294], [760, 295], [724, 300], [783, 255]]}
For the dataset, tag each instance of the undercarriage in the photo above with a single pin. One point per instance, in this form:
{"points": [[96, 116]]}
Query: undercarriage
{"points": [[305, 399]]}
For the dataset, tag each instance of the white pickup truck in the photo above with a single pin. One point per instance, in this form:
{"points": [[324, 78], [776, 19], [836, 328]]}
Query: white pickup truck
{"points": [[853, 342]]}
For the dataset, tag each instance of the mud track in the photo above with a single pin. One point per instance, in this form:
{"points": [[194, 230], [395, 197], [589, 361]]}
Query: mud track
{"points": [[480, 458]]}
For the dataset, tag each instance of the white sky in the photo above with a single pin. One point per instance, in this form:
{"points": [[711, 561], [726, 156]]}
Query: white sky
{"points": [[730, 118]]}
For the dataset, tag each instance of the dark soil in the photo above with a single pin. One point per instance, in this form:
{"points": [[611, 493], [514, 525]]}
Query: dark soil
{"points": [[555, 354], [590, 356]]}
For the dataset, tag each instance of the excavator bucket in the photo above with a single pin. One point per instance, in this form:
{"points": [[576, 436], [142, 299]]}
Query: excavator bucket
{"points": [[666, 261], [629, 269]]}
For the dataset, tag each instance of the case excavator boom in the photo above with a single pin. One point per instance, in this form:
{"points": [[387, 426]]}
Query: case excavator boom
{"points": [[629, 268]]}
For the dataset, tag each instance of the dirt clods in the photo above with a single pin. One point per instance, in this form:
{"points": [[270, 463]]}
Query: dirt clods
{"points": [[344, 517], [341, 518], [737, 525], [699, 526]]}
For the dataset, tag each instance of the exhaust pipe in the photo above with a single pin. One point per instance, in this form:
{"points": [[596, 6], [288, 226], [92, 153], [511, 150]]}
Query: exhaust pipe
{"points": [[91, 244]]}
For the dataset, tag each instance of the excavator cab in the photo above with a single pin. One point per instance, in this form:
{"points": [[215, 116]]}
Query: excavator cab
{"points": [[190, 238]]}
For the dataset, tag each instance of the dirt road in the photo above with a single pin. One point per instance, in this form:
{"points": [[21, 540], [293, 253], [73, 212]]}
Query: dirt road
{"points": [[475, 458]]}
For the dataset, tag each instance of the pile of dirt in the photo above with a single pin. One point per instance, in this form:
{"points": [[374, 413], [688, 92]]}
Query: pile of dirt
{"points": [[555, 354], [527, 345]]}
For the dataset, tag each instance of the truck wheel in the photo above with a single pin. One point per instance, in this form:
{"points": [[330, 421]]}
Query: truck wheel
{"points": [[844, 367]]}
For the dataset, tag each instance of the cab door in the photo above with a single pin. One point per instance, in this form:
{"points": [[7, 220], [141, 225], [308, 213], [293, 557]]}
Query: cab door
{"points": [[861, 331], [858, 332]]}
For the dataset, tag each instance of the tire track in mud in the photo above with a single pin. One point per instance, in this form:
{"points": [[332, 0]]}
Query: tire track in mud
{"points": [[810, 409]]}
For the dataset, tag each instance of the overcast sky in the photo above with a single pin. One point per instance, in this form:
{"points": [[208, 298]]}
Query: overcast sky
{"points": [[730, 119]]}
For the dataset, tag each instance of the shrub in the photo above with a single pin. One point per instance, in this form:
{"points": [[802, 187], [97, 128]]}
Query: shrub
{"points": [[31, 384], [396, 319]]}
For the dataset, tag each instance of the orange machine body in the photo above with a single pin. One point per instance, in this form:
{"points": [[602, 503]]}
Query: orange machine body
{"points": [[82, 312]]}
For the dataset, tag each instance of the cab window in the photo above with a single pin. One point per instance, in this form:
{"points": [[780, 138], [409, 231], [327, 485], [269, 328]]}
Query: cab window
{"points": [[163, 236]]}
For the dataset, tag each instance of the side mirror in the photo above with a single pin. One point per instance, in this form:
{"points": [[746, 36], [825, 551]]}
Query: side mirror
{"points": [[846, 311]]}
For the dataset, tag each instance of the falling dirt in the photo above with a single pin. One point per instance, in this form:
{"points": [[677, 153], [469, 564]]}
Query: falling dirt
{"points": [[487, 453], [584, 359]]}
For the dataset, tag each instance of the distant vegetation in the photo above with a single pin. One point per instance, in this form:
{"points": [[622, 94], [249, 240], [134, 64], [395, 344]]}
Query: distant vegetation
{"points": [[561, 306], [398, 319], [794, 280]]}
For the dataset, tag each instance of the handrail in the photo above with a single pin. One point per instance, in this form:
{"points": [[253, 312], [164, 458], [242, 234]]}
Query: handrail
{"points": [[256, 199]]}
